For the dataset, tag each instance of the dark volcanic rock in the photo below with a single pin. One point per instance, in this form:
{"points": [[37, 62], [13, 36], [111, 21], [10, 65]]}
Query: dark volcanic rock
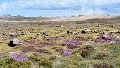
{"points": [[11, 44]]}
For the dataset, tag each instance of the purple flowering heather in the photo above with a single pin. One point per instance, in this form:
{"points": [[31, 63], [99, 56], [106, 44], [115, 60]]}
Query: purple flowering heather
{"points": [[116, 39], [65, 43], [3, 37], [66, 52], [108, 39], [73, 42], [42, 44], [44, 51], [51, 44], [61, 37], [34, 44], [72, 46], [102, 39], [19, 57]]}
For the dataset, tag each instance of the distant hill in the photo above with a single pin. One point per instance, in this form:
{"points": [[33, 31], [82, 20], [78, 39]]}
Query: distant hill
{"points": [[64, 18], [81, 17]]}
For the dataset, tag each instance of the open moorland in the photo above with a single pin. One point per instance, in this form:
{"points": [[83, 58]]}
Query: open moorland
{"points": [[90, 43]]}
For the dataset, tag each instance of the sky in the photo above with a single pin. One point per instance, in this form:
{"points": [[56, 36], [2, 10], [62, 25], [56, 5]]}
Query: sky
{"points": [[59, 7]]}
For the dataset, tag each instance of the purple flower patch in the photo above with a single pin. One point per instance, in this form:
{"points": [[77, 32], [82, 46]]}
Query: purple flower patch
{"points": [[102, 39], [65, 43], [34, 44], [51, 44], [66, 52], [42, 44], [116, 39], [74, 41], [3, 37], [71, 44], [62, 37], [19, 57]]}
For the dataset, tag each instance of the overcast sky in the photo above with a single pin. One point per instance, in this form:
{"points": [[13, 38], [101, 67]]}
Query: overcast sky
{"points": [[59, 7]]}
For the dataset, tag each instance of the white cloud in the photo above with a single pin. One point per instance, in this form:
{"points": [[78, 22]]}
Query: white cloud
{"points": [[86, 6], [101, 2]]}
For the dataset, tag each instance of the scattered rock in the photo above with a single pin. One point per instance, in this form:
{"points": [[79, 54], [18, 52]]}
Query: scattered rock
{"points": [[68, 32]]}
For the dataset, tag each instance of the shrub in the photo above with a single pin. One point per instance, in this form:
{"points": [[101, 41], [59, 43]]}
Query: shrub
{"points": [[41, 60], [11, 63]]}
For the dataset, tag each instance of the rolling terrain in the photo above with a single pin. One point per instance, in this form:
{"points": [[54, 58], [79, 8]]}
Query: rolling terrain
{"points": [[91, 41]]}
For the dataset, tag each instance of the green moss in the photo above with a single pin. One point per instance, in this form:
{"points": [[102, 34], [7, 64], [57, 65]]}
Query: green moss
{"points": [[41, 61], [11, 63], [116, 64]]}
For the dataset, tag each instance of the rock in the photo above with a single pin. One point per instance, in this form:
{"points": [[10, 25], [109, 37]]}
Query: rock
{"points": [[95, 32], [62, 26], [11, 44], [13, 34], [85, 31], [68, 32], [118, 32], [16, 41]]}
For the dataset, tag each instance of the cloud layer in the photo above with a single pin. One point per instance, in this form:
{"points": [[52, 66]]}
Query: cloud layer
{"points": [[85, 6]]}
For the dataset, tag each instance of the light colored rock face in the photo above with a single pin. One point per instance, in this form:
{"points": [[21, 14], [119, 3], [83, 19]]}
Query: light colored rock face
{"points": [[80, 18], [16, 41]]}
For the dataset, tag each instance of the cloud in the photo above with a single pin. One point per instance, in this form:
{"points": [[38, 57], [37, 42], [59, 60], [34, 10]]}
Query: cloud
{"points": [[85, 6]]}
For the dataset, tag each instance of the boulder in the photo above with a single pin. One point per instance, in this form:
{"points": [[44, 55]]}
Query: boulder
{"points": [[85, 31], [11, 44], [16, 41]]}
